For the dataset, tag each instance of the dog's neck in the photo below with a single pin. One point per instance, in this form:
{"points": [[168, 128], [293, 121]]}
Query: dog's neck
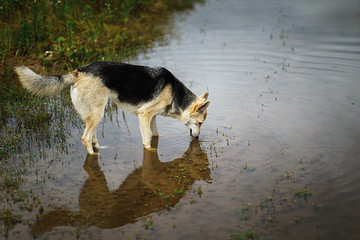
{"points": [[174, 111]]}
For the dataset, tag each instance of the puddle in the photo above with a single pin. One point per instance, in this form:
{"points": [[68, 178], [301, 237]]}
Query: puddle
{"points": [[278, 155]]}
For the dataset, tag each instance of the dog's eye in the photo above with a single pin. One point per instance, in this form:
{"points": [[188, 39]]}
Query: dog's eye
{"points": [[200, 123]]}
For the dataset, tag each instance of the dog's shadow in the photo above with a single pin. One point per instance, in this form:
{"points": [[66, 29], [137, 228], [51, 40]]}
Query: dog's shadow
{"points": [[153, 187]]}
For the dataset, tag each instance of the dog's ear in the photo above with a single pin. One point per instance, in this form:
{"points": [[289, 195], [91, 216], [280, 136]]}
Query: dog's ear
{"points": [[203, 106], [204, 95]]}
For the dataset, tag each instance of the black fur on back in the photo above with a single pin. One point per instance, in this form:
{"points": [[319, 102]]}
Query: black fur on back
{"points": [[138, 84]]}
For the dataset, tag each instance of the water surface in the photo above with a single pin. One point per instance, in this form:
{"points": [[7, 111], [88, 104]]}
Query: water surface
{"points": [[278, 154]]}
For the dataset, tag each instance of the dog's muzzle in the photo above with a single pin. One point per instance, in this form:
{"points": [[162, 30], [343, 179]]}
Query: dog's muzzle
{"points": [[196, 137]]}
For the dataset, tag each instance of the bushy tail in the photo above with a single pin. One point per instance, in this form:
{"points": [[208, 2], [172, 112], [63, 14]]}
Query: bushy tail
{"points": [[43, 85]]}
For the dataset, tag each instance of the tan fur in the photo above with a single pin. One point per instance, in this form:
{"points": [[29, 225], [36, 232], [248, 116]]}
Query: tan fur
{"points": [[195, 115], [43, 85], [148, 111], [89, 96]]}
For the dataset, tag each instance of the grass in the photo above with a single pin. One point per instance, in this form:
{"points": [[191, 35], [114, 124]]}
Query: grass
{"points": [[8, 219], [78, 32], [303, 193], [250, 234]]}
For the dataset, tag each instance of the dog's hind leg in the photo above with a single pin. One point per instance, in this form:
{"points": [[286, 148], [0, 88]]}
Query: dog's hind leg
{"points": [[153, 127], [95, 143], [89, 133], [89, 97]]}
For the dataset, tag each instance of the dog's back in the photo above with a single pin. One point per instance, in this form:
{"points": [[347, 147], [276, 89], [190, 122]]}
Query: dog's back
{"points": [[133, 84], [139, 84]]}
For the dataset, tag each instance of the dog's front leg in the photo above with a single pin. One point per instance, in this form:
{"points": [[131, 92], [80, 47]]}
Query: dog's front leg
{"points": [[144, 120], [153, 127]]}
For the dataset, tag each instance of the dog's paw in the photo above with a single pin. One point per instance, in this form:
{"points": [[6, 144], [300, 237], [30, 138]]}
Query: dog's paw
{"points": [[93, 151], [96, 147], [151, 149]]}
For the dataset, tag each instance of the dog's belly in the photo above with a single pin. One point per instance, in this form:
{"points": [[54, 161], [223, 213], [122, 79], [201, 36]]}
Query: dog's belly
{"points": [[154, 107], [133, 109]]}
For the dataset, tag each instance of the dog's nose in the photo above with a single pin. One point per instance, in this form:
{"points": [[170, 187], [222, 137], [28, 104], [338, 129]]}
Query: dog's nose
{"points": [[196, 137]]}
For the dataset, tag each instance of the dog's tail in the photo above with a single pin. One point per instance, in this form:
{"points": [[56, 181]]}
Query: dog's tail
{"points": [[44, 85]]}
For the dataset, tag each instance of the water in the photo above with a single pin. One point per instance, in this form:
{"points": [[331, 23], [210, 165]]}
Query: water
{"points": [[282, 137]]}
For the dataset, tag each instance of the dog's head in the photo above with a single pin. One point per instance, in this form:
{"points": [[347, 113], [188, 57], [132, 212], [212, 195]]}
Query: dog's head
{"points": [[195, 115]]}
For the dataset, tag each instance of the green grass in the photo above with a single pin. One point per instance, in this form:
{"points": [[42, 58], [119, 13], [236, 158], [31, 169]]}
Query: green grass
{"points": [[79, 32], [303, 193], [250, 234], [8, 219]]}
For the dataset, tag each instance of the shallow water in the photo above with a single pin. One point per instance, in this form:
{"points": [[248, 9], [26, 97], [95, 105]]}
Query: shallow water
{"points": [[278, 153]]}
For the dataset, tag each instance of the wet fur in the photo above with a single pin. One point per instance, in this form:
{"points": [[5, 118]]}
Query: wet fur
{"points": [[143, 91]]}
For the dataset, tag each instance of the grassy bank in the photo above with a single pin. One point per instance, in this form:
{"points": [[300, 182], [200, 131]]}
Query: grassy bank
{"points": [[81, 31], [53, 37]]}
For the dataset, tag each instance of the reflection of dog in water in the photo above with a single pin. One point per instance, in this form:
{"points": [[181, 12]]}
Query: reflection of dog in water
{"points": [[143, 91], [153, 187]]}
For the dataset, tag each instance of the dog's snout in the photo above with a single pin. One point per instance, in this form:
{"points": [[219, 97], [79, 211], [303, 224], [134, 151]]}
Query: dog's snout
{"points": [[191, 134]]}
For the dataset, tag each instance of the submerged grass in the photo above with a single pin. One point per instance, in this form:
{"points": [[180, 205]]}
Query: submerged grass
{"points": [[53, 37]]}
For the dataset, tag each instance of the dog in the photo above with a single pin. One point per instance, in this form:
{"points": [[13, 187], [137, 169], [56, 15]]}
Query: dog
{"points": [[143, 91]]}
